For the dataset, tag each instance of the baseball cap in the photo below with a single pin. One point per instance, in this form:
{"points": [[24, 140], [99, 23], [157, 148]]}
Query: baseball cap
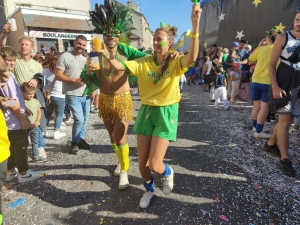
{"points": [[235, 44], [236, 65]]}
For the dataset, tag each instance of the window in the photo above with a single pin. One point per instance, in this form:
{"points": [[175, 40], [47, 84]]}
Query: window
{"points": [[60, 10]]}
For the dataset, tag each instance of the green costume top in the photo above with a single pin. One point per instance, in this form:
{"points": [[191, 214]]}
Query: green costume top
{"points": [[92, 81]]}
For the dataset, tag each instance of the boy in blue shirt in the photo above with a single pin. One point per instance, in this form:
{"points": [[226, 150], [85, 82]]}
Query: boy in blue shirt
{"points": [[220, 84]]}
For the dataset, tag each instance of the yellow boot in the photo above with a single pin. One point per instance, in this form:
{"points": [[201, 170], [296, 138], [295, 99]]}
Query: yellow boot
{"points": [[123, 156]]}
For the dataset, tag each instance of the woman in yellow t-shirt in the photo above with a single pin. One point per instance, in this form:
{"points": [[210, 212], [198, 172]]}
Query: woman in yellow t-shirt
{"points": [[157, 120]]}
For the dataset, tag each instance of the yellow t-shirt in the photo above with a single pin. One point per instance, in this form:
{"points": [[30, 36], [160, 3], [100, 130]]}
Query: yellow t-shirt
{"points": [[262, 56], [166, 90], [4, 141], [33, 105], [26, 69]]}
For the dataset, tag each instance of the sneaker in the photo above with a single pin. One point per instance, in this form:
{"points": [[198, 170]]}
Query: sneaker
{"points": [[42, 152], [287, 168], [264, 129], [46, 134], [94, 110], [262, 135], [123, 181], [38, 159], [58, 135], [168, 182], [117, 170], [62, 128], [11, 175], [272, 149], [145, 200], [67, 119], [293, 131], [74, 149], [84, 145], [28, 176]]}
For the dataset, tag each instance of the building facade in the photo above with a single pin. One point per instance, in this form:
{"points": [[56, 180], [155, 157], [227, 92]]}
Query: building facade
{"points": [[52, 23], [57, 23]]}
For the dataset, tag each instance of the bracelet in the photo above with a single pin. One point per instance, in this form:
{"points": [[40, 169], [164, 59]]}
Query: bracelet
{"points": [[192, 35], [5, 33]]}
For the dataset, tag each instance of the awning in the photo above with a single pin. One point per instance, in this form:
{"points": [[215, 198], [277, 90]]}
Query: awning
{"points": [[52, 22]]}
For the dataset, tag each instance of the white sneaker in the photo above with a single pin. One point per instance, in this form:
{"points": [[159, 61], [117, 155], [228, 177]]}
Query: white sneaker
{"points": [[63, 124], [123, 181], [262, 135], [293, 131], [145, 200], [62, 128], [28, 176], [168, 182], [264, 129], [58, 135], [46, 134], [42, 153], [117, 170], [11, 175]]}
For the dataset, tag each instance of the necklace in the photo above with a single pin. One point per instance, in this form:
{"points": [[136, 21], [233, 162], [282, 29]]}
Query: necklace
{"points": [[111, 72]]}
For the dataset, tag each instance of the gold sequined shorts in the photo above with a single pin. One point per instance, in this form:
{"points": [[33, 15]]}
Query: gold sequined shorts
{"points": [[112, 106]]}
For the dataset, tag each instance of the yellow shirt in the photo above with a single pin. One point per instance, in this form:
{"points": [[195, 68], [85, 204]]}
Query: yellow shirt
{"points": [[4, 142], [166, 90], [26, 69], [262, 56]]}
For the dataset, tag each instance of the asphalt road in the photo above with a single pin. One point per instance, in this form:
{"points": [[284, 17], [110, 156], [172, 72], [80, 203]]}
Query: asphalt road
{"points": [[220, 171]]}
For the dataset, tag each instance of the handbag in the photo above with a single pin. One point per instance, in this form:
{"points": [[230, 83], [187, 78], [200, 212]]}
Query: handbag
{"points": [[47, 95]]}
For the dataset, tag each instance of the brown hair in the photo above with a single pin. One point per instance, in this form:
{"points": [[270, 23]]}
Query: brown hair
{"points": [[27, 39], [25, 87], [8, 53], [51, 61], [171, 33], [272, 35], [218, 69], [42, 46]]}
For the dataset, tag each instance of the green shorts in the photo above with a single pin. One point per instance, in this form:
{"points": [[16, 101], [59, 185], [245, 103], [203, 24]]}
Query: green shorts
{"points": [[159, 121]]}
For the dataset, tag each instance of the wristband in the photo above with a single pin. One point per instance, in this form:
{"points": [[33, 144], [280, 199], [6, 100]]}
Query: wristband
{"points": [[5, 33]]}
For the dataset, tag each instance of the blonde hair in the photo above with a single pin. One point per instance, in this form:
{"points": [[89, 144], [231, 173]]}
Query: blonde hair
{"points": [[25, 87], [27, 39], [8, 52]]}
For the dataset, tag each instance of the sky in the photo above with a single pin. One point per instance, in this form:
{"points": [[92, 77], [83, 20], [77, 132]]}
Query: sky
{"points": [[176, 13]]}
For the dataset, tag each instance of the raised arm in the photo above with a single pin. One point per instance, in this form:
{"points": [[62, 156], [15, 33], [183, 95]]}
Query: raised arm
{"points": [[3, 36], [111, 58], [194, 45]]}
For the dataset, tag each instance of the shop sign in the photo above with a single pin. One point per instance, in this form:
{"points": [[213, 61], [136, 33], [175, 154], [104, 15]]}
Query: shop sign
{"points": [[55, 35]]}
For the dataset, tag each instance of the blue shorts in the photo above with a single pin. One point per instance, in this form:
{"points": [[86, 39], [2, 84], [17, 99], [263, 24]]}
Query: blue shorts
{"points": [[191, 71], [259, 92]]}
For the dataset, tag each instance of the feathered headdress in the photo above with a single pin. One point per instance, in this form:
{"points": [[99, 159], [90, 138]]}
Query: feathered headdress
{"points": [[111, 20]]}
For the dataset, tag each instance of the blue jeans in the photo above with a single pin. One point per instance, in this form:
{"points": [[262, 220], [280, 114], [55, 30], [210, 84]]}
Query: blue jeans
{"points": [[180, 86], [37, 140], [67, 111], [80, 107], [57, 105]]}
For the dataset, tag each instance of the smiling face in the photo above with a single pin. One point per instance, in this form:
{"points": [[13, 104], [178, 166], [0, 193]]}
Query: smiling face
{"points": [[110, 42], [161, 44], [79, 46]]}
